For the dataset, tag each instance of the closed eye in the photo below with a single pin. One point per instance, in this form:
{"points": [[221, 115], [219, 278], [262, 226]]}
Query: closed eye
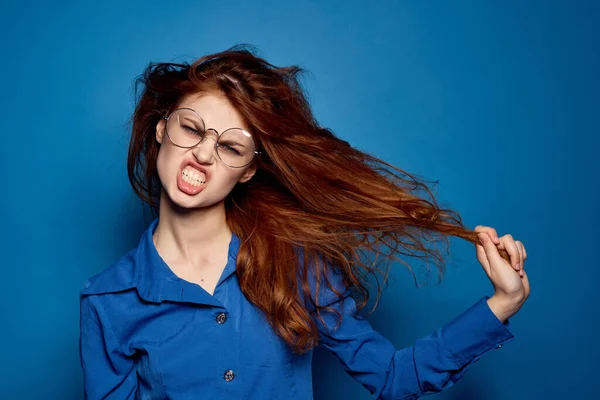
{"points": [[191, 130], [230, 149]]}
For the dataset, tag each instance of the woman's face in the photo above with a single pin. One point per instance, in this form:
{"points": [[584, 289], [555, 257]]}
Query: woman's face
{"points": [[196, 177]]}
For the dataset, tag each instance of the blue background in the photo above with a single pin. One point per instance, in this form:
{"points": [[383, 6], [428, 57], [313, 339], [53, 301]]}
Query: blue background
{"points": [[496, 101]]}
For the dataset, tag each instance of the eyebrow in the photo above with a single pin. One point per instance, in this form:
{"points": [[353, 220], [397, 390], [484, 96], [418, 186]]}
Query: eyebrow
{"points": [[204, 122], [238, 144], [191, 119]]}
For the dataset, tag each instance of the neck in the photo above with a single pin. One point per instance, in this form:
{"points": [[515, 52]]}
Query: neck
{"points": [[186, 234]]}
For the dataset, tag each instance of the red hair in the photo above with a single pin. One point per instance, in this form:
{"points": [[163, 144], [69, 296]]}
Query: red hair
{"points": [[312, 191]]}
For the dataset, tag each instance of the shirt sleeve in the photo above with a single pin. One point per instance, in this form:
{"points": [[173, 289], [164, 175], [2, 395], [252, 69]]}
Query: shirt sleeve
{"points": [[434, 362], [107, 372]]}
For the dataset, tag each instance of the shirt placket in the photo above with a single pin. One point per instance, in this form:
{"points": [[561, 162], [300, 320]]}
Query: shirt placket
{"points": [[229, 374]]}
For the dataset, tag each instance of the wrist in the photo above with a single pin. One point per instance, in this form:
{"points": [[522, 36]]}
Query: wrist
{"points": [[502, 308]]}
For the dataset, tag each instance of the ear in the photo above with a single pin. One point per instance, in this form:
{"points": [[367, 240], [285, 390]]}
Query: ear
{"points": [[160, 130], [248, 174]]}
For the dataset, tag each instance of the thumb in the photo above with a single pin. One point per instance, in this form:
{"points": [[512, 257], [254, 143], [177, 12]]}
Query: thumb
{"points": [[491, 252]]}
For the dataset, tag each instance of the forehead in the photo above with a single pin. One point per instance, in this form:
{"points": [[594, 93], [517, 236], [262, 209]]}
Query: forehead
{"points": [[215, 110]]}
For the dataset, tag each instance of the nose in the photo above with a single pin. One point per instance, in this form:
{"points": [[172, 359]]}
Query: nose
{"points": [[205, 150]]}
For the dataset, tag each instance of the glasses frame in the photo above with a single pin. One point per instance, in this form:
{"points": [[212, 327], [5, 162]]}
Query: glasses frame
{"points": [[166, 118]]}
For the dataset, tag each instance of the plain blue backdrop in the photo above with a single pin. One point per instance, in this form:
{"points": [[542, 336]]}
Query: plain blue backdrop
{"points": [[498, 101]]}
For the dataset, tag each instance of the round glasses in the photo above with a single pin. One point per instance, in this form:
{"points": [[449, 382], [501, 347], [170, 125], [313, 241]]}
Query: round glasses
{"points": [[235, 146]]}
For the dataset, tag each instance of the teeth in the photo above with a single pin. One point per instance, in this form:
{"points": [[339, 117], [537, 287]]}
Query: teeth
{"points": [[192, 176]]}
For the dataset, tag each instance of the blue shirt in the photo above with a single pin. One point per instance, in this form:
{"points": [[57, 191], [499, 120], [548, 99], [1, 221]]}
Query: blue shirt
{"points": [[148, 334]]}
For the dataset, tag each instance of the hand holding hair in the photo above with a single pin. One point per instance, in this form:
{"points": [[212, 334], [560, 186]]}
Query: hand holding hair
{"points": [[507, 274]]}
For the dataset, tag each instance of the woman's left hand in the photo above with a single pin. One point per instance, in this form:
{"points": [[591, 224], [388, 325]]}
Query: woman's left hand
{"points": [[510, 281]]}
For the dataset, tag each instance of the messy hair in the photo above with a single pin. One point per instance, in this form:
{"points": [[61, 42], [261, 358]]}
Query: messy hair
{"points": [[349, 213]]}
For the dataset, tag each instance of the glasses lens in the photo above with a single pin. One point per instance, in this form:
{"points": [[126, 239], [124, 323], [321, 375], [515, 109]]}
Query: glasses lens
{"points": [[236, 147], [185, 128]]}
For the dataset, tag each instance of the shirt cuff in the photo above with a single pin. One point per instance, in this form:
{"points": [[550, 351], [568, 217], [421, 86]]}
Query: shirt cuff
{"points": [[475, 332]]}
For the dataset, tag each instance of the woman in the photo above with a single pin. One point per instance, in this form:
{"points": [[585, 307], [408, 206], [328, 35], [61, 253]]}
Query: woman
{"points": [[260, 251]]}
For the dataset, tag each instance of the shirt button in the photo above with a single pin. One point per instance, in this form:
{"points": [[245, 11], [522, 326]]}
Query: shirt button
{"points": [[229, 375], [221, 318], [498, 346]]}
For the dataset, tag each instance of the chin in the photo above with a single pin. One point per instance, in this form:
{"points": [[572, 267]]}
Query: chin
{"points": [[183, 201], [177, 199]]}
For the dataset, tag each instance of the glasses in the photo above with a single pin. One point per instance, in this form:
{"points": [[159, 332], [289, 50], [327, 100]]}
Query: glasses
{"points": [[235, 146]]}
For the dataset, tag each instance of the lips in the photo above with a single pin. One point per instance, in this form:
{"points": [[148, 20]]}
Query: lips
{"points": [[188, 187]]}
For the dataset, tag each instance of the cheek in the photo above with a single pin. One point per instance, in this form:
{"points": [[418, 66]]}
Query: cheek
{"points": [[225, 181], [160, 165], [228, 178], [166, 168]]}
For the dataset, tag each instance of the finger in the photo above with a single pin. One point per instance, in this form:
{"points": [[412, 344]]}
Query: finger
{"points": [[491, 252], [502, 250], [490, 231], [512, 250], [525, 281], [521, 251], [482, 258]]}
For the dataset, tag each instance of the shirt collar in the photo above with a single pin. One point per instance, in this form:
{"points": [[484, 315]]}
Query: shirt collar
{"points": [[156, 282]]}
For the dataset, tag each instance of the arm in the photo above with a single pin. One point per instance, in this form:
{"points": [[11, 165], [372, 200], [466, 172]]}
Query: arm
{"points": [[435, 362], [107, 372]]}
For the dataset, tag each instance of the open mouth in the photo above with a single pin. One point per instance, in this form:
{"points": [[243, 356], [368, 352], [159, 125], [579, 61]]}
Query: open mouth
{"points": [[192, 178]]}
